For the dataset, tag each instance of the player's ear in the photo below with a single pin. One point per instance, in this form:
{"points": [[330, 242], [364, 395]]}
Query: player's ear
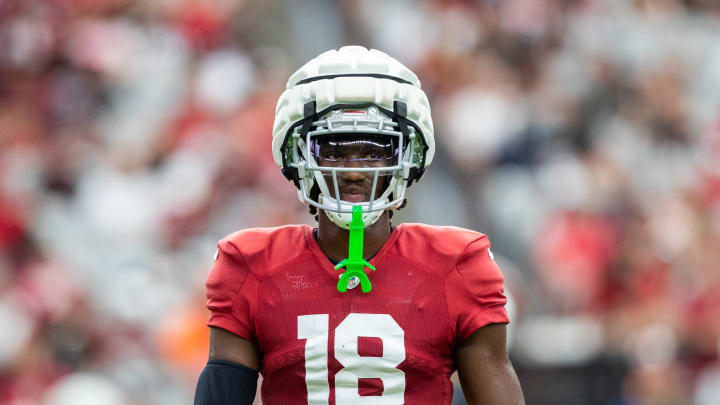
{"points": [[402, 205]]}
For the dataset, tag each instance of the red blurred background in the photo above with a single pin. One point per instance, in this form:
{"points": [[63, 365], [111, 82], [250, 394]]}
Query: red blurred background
{"points": [[583, 136]]}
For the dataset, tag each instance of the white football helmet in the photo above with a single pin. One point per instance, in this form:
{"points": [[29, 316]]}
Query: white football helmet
{"points": [[353, 91]]}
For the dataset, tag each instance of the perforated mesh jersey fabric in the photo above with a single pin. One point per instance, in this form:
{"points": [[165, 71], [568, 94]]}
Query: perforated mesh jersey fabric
{"points": [[433, 287], [412, 294]]}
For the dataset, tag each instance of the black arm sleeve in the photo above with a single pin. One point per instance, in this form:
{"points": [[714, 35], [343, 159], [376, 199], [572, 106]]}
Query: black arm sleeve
{"points": [[226, 383]]}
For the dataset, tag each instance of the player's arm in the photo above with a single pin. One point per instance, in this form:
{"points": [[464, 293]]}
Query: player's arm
{"points": [[230, 376], [486, 375], [230, 347], [485, 372]]}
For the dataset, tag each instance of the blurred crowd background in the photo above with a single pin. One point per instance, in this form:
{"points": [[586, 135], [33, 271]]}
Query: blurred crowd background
{"points": [[583, 136]]}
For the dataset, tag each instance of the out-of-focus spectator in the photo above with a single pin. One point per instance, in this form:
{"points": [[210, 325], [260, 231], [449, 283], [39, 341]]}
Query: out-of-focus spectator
{"points": [[582, 135]]}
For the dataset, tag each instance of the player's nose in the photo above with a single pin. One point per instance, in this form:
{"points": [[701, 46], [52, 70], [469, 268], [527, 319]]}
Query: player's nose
{"points": [[354, 175]]}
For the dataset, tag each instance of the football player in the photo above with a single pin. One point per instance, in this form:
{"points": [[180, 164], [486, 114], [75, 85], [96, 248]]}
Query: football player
{"points": [[352, 131]]}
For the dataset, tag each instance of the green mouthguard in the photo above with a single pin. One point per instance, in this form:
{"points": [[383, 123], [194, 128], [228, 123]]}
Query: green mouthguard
{"points": [[355, 263]]}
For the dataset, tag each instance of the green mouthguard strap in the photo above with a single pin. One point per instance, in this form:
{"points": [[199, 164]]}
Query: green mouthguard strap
{"points": [[355, 264]]}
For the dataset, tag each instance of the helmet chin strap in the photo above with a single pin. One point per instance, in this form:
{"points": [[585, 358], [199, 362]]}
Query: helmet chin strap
{"points": [[343, 219]]}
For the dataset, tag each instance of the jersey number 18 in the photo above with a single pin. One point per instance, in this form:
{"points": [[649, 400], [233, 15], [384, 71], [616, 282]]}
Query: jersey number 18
{"points": [[315, 329]]}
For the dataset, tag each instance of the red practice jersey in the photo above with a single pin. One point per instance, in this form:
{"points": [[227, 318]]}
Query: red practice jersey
{"points": [[432, 288]]}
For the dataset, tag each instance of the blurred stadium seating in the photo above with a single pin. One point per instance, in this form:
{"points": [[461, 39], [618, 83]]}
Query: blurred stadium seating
{"points": [[583, 136]]}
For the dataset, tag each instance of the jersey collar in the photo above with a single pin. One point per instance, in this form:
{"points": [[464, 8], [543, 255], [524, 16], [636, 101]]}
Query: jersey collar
{"points": [[327, 265]]}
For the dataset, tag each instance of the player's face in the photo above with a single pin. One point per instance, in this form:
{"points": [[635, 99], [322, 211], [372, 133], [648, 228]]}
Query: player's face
{"points": [[371, 151]]}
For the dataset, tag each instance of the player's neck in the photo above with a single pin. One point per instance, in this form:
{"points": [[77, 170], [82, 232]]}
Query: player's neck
{"points": [[333, 240]]}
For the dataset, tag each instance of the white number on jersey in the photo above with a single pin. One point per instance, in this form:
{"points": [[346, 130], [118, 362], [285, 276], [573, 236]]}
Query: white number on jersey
{"points": [[314, 328]]}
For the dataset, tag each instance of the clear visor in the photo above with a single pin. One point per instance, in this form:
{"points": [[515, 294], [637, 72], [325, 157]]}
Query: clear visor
{"points": [[357, 150], [355, 158]]}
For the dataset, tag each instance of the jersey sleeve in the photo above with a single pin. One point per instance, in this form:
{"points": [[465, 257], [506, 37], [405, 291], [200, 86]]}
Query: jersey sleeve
{"points": [[475, 290], [231, 291]]}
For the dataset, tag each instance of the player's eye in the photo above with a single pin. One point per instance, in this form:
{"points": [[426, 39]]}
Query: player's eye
{"points": [[376, 154], [332, 156]]}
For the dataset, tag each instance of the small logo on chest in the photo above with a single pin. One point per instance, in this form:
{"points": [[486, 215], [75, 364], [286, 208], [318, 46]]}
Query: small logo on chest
{"points": [[353, 282]]}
